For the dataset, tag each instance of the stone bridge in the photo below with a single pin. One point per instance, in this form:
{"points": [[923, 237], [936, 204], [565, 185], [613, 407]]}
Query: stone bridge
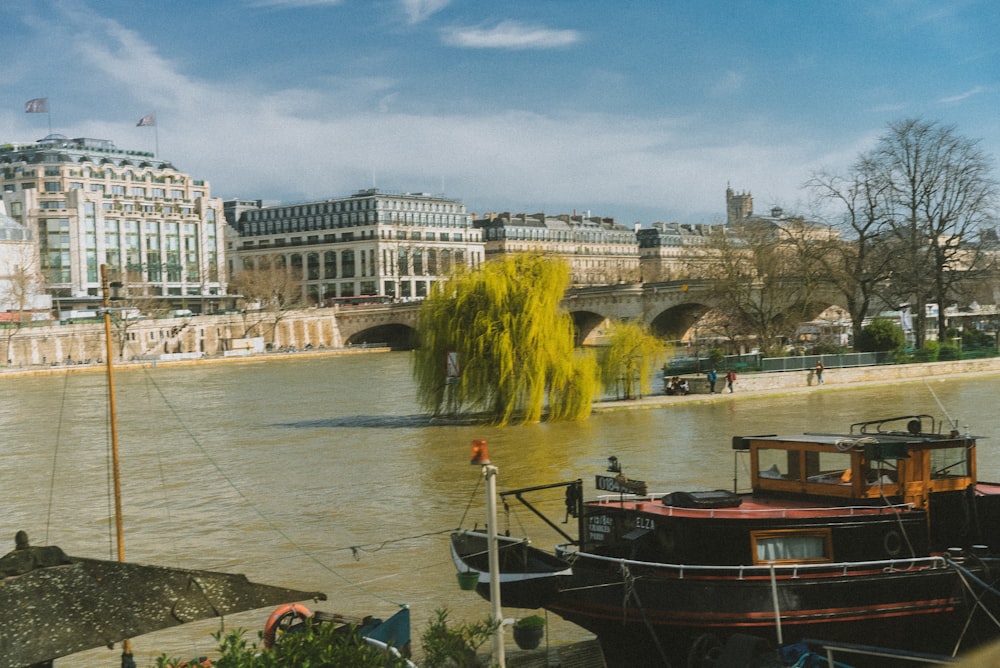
{"points": [[670, 309]]}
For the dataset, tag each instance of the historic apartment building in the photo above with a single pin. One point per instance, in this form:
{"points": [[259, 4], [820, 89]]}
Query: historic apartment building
{"points": [[599, 251], [88, 203], [369, 244]]}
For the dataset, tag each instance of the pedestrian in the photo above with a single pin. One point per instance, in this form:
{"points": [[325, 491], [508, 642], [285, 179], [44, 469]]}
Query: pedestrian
{"points": [[712, 376], [730, 379], [819, 372]]}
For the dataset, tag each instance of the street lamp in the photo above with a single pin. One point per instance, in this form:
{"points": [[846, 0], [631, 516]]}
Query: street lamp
{"points": [[481, 457]]}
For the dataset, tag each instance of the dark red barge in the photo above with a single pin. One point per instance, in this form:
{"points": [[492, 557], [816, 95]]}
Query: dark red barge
{"points": [[881, 536]]}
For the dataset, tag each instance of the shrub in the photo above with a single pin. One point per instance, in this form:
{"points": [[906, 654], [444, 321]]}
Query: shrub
{"points": [[531, 621], [929, 353], [948, 351], [317, 646], [448, 647], [881, 335]]}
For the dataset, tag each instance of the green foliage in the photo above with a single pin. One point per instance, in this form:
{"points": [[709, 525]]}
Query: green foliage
{"points": [[928, 353], [317, 646], [531, 621], [716, 358], [974, 338], [881, 335], [513, 342], [948, 351], [454, 647], [632, 354]]}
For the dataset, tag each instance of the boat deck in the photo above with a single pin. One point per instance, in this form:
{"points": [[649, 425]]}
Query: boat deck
{"points": [[750, 508]]}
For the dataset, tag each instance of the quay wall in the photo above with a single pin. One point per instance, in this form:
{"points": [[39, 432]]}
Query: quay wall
{"points": [[842, 376], [207, 335]]}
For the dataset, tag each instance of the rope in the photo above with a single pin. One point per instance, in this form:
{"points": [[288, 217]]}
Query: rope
{"points": [[311, 555], [479, 479], [55, 457], [628, 581], [964, 573]]}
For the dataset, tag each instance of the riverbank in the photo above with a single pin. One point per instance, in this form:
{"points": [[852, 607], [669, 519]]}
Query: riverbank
{"points": [[792, 382], [83, 367]]}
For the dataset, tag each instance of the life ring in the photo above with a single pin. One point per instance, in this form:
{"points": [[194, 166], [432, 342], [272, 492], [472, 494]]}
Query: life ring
{"points": [[892, 542], [283, 619]]}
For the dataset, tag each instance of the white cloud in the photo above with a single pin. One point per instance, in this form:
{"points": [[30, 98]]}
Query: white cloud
{"points": [[963, 96], [509, 35], [299, 144], [420, 10]]}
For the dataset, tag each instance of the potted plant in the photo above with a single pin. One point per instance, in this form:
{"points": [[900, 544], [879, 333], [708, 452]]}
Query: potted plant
{"points": [[528, 631]]}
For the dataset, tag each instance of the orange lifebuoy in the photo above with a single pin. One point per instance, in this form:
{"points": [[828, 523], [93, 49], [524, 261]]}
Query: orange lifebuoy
{"points": [[282, 619]]}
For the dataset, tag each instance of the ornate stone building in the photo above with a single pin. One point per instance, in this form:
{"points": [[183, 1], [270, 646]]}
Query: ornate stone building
{"points": [[369, 244], [88, 203], [598, 250]]}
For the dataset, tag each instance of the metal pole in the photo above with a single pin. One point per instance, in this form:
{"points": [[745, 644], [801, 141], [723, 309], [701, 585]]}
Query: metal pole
{"points": [[113, 418], [777, 607], [490, 473]]}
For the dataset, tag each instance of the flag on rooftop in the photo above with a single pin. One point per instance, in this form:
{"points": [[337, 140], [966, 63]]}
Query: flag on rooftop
{"points": [[38, 105], [147, 120]]}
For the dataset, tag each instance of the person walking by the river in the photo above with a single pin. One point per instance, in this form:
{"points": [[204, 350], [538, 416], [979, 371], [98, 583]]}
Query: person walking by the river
{"points": [[730, 379], [712, 377], [819, 372]]}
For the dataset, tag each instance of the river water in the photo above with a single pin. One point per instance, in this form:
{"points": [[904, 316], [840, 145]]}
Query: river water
{"points": [[320, 473]]}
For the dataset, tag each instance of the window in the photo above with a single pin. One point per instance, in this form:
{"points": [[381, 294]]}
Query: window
{"points": [[52, 186], [794, 545], [949, 463]]}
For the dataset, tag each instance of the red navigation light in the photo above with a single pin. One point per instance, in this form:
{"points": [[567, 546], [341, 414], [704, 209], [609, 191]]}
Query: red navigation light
{"points": [[480, 453]]}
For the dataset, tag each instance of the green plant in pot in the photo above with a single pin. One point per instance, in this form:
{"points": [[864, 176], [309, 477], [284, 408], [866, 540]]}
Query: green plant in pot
{"points": [[529, 631]]}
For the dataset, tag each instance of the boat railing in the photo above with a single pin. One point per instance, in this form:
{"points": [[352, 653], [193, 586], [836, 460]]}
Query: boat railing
{"points": [[792, 570], [609, 499]]}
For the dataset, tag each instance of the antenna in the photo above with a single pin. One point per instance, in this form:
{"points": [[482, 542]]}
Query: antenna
{"points": [[954, 422]]}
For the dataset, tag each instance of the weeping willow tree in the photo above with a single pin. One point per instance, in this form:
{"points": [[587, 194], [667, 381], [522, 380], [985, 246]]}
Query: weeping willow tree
{"points": [[495, 342], [629, 360]]}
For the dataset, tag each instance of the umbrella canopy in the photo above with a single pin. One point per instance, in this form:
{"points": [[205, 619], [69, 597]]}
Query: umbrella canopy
{"points": [[53, 605]]}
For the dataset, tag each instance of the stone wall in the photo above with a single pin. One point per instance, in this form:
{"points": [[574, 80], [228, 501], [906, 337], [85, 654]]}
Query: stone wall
{"points": [[209, 335], [777, 380]]}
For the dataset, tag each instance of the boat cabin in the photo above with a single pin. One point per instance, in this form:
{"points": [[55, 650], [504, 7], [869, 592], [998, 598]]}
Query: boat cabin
{"points": [[874, 463]]}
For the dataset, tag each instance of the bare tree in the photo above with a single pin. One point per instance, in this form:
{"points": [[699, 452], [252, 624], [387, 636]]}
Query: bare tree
{"points": [[19, 288], [269, 290], [858, 265], [941, 196], [763, 283]]}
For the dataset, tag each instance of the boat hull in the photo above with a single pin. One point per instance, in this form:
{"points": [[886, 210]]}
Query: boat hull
{"points": [[652, 615]]}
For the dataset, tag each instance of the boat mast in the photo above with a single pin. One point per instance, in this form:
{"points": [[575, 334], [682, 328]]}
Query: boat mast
{"points": [[113, 419]]}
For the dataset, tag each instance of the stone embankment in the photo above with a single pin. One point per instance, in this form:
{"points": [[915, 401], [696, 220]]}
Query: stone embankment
{"points": [[837, 378]]}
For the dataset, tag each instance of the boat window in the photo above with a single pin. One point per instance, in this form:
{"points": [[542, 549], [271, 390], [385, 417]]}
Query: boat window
{"points": [[950, 463], [773, 463], [832, 468], [811, 545]]}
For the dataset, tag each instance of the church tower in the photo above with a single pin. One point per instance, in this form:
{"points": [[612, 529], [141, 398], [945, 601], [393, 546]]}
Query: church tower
{"points": [[739, 206]]}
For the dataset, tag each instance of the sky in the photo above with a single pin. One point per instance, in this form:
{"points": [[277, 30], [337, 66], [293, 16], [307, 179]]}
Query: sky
{"points": [[638, 110]]}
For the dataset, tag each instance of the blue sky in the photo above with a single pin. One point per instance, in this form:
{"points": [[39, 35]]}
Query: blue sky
{"points": [[638, 110]]}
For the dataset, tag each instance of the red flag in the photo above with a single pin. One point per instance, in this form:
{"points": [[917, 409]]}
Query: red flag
{"points": [[39, 105], [147, 120]]}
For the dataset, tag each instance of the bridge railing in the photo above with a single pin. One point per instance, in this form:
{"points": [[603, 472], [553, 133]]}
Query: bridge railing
{"points": [[682, 365], [830, 361]]}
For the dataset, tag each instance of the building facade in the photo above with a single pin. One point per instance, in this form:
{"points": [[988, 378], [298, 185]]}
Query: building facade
{"points": [[21, 289], [89, 204], [598, 250], [674, 251], [370, 244]]}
